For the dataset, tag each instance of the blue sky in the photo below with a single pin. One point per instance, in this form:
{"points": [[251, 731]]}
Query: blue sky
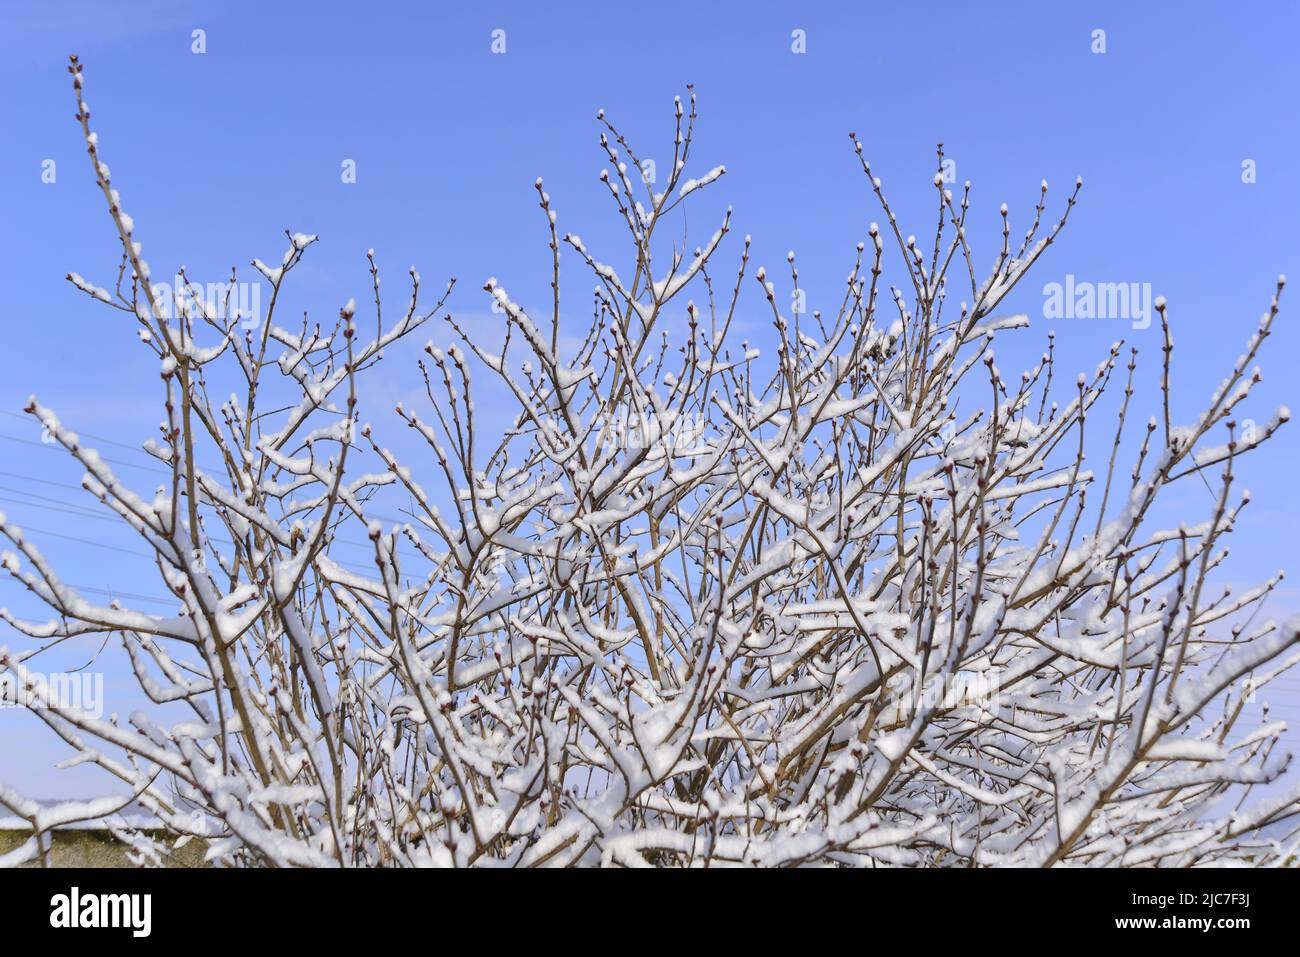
{"points": [[216, 154]]}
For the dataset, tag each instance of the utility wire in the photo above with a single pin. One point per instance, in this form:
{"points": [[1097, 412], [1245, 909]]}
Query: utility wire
{"points": [[102, 591]]}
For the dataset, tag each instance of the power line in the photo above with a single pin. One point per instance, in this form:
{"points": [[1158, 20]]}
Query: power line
{"points": [[52, 448], [87, 541], [102, 591], [160, 471], [42, 481], [81, 511], [73, 511], [77, 511], [138, 451], [89, 435], [60, 505]]}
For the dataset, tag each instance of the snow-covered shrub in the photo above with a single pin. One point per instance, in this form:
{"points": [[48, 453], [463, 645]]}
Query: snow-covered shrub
{"points": [[701, 604]]}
